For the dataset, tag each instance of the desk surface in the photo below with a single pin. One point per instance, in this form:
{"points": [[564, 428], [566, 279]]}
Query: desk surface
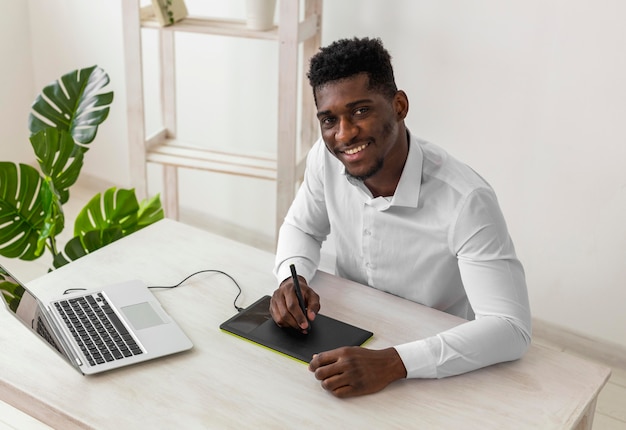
{"points": [[225, 382]]}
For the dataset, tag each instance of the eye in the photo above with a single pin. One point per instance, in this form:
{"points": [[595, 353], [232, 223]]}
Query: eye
{"points": [[327, 121], [361, 111]]}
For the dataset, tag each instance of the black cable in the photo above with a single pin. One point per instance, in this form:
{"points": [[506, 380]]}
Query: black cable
{"points": [[239, 309]]}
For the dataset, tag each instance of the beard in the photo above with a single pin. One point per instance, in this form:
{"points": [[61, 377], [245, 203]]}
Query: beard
{"points": [[371, 172]]}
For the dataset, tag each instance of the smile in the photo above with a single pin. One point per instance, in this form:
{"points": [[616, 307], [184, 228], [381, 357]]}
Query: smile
{"points": [[353, 151]]}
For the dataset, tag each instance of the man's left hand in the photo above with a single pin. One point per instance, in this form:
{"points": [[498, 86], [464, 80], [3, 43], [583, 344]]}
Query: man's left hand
{"points": [[355, 371]]}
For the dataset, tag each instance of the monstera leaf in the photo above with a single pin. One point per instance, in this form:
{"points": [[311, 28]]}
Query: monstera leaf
{"points": [[73, 104], [64, 119], [106, 218], [57, 158], [29, 211]]}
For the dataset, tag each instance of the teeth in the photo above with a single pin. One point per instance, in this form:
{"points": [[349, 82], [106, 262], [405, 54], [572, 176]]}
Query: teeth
{"points": [[355, 150]]}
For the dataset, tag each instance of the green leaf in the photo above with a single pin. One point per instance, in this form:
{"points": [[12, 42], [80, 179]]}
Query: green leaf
{"points": [[74, 103], [58, 159], [106, 218], [150, 211], [80, 246], [26, 219], [54, 219], [113, 208]]}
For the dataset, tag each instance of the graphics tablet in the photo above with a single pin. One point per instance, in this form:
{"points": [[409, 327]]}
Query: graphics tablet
{"points": [[256, 324]]}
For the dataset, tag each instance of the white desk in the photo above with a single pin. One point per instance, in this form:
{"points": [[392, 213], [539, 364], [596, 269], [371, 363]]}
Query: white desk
{"points": [[225, 382]]}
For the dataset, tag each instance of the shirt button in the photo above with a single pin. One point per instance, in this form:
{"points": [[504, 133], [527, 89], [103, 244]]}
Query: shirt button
{"points": [[366, 232]]}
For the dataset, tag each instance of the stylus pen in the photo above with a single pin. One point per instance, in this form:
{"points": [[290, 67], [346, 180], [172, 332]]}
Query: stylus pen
{"points": [[296, 284]]}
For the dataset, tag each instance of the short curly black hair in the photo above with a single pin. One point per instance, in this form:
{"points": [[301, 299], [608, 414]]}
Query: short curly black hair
{"points": [[348, 57]]}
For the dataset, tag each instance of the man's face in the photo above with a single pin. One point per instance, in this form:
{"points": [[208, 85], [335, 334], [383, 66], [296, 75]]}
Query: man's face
{"points": [[359, 126]]}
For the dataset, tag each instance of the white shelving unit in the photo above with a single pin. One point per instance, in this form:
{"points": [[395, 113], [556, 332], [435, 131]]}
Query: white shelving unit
{"points": [[299, 28]]}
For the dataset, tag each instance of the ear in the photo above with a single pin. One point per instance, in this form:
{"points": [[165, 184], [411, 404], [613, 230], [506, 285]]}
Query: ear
{"points": [[401, 105]]}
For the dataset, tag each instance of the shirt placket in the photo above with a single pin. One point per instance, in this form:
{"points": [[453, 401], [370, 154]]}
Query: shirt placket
{"points": [[367, 233]]}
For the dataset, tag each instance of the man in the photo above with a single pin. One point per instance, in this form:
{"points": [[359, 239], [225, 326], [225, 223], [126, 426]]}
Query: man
{"points": [[407, 219]]}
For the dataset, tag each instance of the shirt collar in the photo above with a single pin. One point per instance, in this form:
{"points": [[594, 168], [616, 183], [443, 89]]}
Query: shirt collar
{"points": [[408, 190]]}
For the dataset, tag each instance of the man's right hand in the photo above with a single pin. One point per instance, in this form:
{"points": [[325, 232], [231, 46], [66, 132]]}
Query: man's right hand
{"points": [[285, 308]]}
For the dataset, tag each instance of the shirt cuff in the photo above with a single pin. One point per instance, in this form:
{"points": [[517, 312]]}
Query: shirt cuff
{"points": [[418, 359], [304, 267]]}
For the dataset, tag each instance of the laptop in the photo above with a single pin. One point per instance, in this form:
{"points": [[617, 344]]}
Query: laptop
{"points": [[98, 330]]}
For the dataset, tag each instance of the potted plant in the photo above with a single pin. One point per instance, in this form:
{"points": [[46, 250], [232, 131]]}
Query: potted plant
{"points": [[63, 123]]}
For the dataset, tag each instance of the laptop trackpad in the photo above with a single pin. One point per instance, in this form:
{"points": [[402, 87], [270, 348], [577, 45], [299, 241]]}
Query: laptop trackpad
{"points": [[142, 315]]}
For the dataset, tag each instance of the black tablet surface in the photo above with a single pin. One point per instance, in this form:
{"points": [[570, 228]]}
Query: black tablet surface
{"points": [[255, 324]]}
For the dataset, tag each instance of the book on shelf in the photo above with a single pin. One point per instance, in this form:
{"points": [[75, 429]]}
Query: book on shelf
{"points": [[168, 12]]}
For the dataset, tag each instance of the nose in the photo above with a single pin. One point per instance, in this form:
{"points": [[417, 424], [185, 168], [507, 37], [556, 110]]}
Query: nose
{"points": [[346, 131]]}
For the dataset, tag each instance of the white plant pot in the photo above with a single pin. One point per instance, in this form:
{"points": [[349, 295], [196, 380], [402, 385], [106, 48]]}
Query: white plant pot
{"points": [[260, 14]]}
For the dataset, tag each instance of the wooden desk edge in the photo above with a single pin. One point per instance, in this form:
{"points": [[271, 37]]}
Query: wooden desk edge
{"points": [[585, 420], [37, 409]]}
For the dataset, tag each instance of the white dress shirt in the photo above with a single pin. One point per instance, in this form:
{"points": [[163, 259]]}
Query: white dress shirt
{"points": [[440, 240]]}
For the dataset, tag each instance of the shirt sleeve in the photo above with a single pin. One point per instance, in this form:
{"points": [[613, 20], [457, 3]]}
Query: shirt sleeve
{"points": [[306, 224], [495, 284]]}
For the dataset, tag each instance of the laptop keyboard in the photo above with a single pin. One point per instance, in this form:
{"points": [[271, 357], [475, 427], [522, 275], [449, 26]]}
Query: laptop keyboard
{"points": [[97, 329]]}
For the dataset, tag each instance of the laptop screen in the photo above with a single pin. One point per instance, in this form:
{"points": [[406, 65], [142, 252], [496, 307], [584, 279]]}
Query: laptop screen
{"points": [[25, 307]]}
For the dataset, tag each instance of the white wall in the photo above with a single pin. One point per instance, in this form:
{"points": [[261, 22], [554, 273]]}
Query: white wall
{"points": [[72, 34], [16, 82], [530, 93]]}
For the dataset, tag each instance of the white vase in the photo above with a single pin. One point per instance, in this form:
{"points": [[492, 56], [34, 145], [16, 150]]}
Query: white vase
{"points": [[260, 14]]}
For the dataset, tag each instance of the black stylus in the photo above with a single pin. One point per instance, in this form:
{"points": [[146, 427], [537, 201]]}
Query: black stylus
{"points": [[296, 284]]}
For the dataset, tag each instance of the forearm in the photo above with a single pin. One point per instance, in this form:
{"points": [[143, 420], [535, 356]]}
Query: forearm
{"points": [[299, 248], [467, 347], [500, 332]]}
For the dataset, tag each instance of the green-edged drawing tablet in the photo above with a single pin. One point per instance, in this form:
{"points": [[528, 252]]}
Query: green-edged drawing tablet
{"points": [[255, 324]]}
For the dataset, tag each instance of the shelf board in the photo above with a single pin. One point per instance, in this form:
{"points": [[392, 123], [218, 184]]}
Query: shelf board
{"points": [[214, 26], [225, 27], [173, 153]]}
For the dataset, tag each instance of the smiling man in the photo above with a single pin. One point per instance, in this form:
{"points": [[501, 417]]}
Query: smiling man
{"points": [[408, 219]]}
